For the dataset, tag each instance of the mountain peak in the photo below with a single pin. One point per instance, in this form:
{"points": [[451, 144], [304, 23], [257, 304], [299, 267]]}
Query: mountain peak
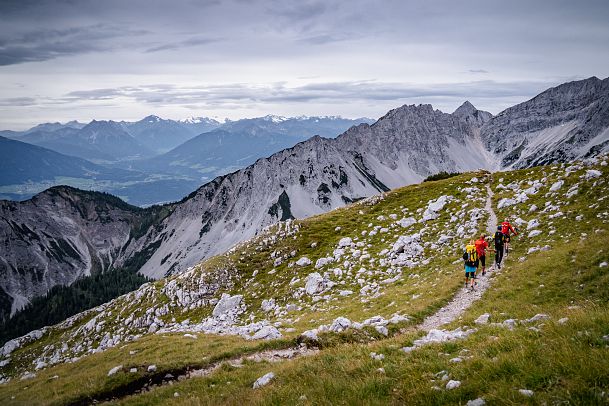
{"points": [[465, 108], [471, 114]]}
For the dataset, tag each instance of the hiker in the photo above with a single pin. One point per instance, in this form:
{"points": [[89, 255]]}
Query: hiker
{"points": [[481, 247], [470, 257], [499, 238], [507, 230]]}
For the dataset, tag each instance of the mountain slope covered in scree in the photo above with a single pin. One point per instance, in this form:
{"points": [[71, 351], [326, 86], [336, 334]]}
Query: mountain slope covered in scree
{"points": [[333, 307]]}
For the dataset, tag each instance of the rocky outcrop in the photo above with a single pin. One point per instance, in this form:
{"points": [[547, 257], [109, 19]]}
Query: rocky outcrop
{"points": [[563, 123]]}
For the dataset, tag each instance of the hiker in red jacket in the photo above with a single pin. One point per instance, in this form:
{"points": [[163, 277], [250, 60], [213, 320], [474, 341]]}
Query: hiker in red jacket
{"points": [[507, 230], [481, 247]]}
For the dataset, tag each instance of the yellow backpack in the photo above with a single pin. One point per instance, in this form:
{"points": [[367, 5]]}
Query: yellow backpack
{"points": [[472, 255]]}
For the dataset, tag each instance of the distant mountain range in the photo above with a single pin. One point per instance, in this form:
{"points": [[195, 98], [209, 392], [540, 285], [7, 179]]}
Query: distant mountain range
{"points": [[237, 144], [156, 175]]}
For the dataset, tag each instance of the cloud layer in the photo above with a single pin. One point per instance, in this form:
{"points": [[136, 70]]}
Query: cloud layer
{"points": [[236, 57]]}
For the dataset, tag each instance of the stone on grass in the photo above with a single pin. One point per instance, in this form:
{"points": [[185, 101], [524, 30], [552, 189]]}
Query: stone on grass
{"points": [[304, 261], [377, 357], [345, 242], [264, 380], [534, 233], [592, 173], [526, 392], [476, 402], [151, 368], [115, 370], [483, 319], [603, 264], [538, 317], [453, 384], [340, 324], [310, 334], [314, 283], [227, 304], [267, 333], [563, 320], [556, 186]]}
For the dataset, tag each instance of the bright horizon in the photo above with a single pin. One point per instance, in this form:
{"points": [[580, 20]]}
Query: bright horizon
{"points": [[63, 61]]}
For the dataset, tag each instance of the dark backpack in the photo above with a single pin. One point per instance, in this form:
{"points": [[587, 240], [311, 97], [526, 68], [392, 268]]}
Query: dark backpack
{"points": [[499, 238]]}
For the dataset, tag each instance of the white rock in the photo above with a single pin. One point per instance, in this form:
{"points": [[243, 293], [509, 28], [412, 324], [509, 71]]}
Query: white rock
{"points": [[563, 320], [303, 261], [592, 173], [267, 333], [310, 334], [533, 224], [345, 242], [534, 233], [377, 357], [340, 324], [314, 284], [321, 262], [476, 402], [264, 380], [133, 370], [188, 335], [526, 392], [267, 305], [151, 368], [345, 292], [227, 304], [505, 202], [453, 384], [28, 375], [115, 370], [556, 185], [483, 319], [456, 359], [538, 317], [406, 222], [382, 330], [603, 264]]}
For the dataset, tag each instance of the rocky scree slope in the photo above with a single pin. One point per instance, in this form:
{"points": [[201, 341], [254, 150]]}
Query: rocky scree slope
{"points": [[563, 123], [351, 268]]}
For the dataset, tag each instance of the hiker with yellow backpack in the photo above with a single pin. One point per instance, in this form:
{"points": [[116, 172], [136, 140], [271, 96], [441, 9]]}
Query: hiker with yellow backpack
{"points": [[470, 256]]}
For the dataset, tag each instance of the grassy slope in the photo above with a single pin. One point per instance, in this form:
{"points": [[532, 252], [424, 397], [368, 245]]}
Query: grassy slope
{"points": [[560, 362]]}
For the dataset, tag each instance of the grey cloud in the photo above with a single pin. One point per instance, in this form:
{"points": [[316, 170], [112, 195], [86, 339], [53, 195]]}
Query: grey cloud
{"points": [[190, 42], [18, 101], [331, 92], [41, 45]]}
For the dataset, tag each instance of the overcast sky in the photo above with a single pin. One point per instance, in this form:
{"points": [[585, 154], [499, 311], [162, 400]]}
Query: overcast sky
{"points": [[67, 59]]}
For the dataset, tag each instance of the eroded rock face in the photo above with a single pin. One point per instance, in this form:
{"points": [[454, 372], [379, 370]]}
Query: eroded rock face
{"points": [[561, 124], [58, 236]]}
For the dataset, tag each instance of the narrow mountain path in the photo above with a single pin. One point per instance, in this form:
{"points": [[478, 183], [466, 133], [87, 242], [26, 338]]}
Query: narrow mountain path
{"points": [[465, 297], [462, 300], [163, 378]]}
